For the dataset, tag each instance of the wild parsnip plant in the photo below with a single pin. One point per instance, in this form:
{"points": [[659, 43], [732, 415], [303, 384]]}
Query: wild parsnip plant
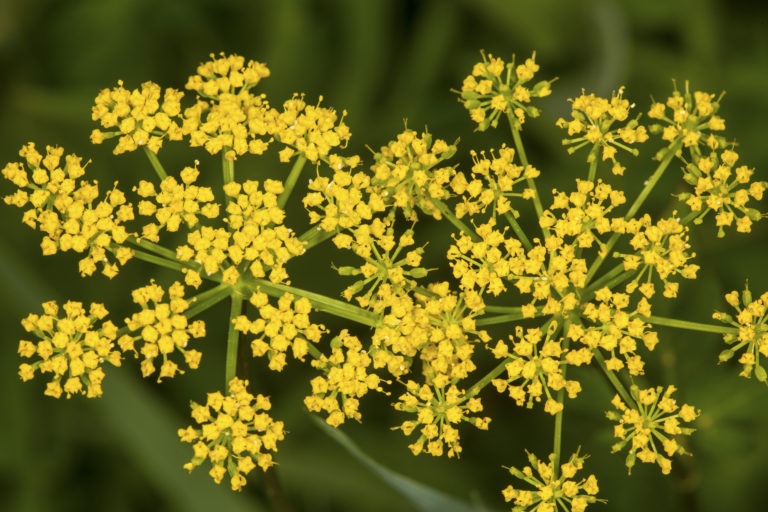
{"points": [[577, 292]]}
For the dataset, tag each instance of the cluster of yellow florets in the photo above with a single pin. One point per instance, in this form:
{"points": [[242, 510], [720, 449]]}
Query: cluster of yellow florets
{"points": [[615, 328], [662, 248], [494, 89], [383, 260], [688, 119], [235, 434], [139, 117], [423, 336], [406, 173], [227, 116], [68, 210], [534, 368], [752, 334], [438, 411], [492, 183], [175, 203], [346, 378], [72, 348], [722, 189], [592, 122], [586, 212], [162, 329], [256, 242], [553, 491], [652, 420], [280, 328], [312, 131]]}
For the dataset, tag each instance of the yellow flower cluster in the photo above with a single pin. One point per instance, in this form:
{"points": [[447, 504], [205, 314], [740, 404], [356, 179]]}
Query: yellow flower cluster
{"points": [[723, 190], [492, 183], [654, 418], [235, 433], [616, 329], [377, 245], [585, 211], [534, 368], [257, 241], [484, 265], [346, 378], [344, 199], [406, 174], [175, 203], [438, 328], [162, 329], [226, 75], [227, 116], [592, 122], [752, 333], [437, 411], [72, 347], [140, 117], [551, 273], [68, 210], [280, 328], [553, 491], [688, 119], [494, 89], [662, 248], [312, 131]]}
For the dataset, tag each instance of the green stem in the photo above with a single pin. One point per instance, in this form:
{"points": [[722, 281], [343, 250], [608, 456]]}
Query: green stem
{"points": [[608, 276], [448, 214], [425, 292], [691, 326], [518, 231], [155, 163], [152, 247], [208, 299], [487, 378], [290, 181], [652, 181], [502, 309], [621, 278], [592, 158], [233, 336], [692, 216], [558, 435], [227, 167], [161, 261], [515, 128], [620, 389], [499, 319], [315, 236], [319, 302]]}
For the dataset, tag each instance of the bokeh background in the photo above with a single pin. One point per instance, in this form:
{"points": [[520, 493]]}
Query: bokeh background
{"points": [[383, 61]]}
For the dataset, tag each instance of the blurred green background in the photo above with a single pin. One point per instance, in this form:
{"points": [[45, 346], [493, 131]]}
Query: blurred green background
{"points": [[383, 61]]}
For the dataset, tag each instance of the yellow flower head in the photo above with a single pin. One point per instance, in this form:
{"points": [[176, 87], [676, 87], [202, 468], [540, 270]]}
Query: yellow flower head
{"points": [[552, 491], [346, 378], [162, 329], [73, 345], [141, 117], [68, 210], [234, 432], [280, 328], [651, 421], [495, 88], [407, 175], [593, 122], [438, 412], [752, 336]]}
